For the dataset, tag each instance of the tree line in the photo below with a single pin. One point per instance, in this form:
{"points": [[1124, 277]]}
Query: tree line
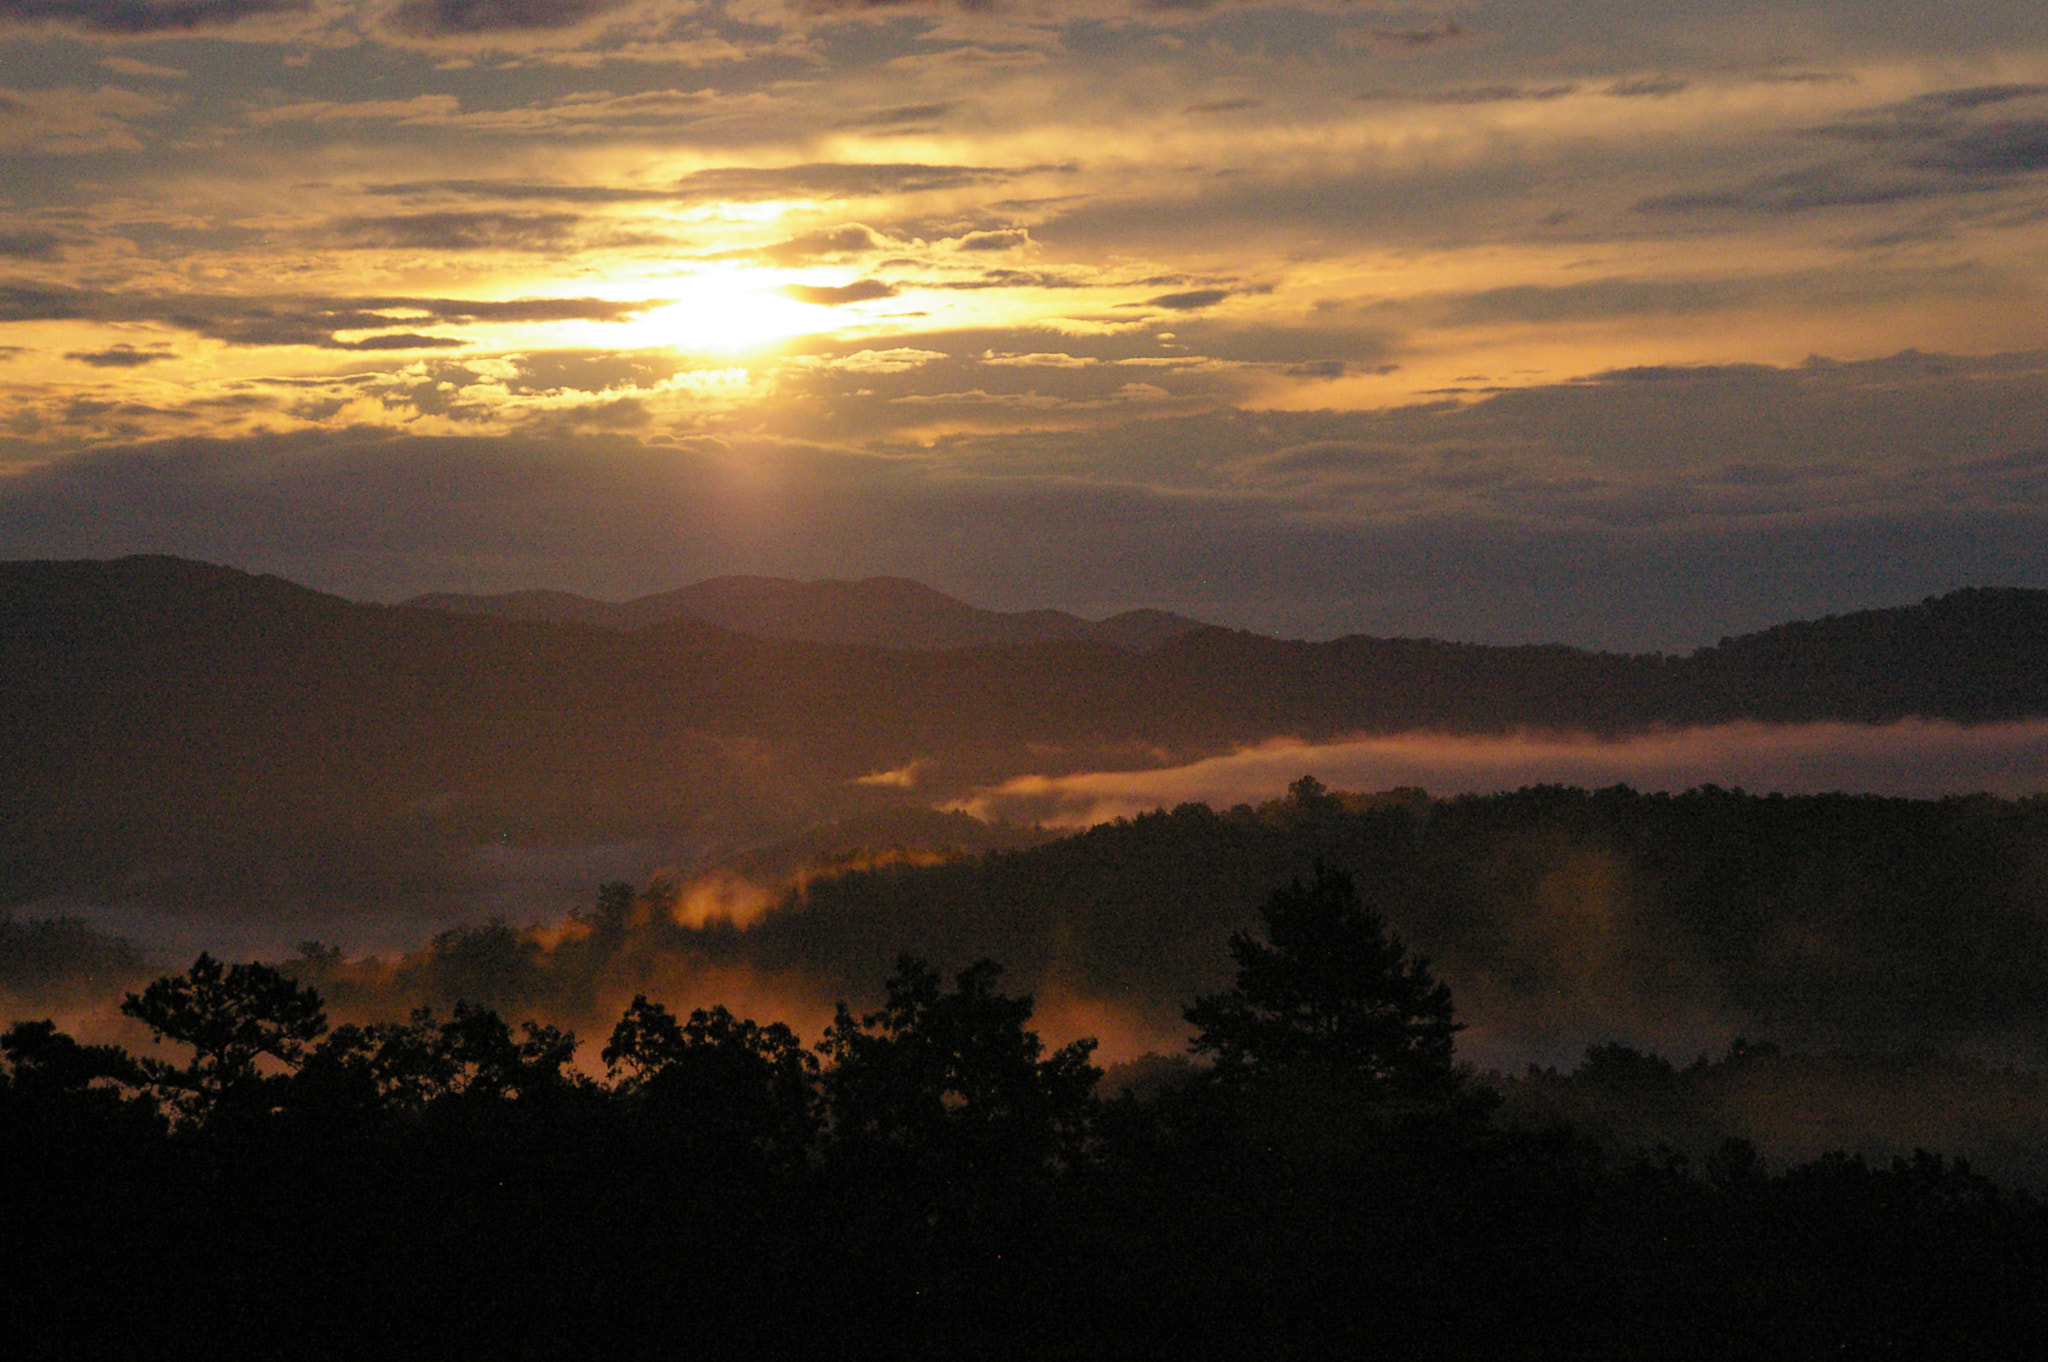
{"points": [[930, 1180]]}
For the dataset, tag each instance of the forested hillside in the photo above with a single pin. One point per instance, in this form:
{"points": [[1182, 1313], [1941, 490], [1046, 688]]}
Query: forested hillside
{"points": [[931, 1181]]}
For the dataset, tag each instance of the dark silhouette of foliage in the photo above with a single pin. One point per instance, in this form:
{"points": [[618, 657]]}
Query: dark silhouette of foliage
{"points": [[493, 964], [956, 1076], [447, 1185], [62, 954], [233, 1017], [722, 1083], [1330, 996]]}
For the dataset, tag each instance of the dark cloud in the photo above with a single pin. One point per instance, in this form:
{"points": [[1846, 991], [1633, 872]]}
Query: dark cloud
{"points": [[400, 340], [1008, 239], [1647, 87], [523, 189], [142, 16], [1417, 37], [458, 231], [1193, 300], [860, 291], [449, 18], [1926, 147], [1225, 106], [1014, 279], [1977, 96], [825, 179], [1804, 77], [851, 239], [30, 246], [1477, 94], [525, 309], [118, 357], [30, 303], [1593, 298], [898, 115], [2013, 147], [1797, 191], [305, 321], [1335, 368]]}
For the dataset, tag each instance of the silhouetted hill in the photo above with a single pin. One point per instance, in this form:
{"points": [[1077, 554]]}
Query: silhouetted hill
{"points": [[876, 612], [182, 733]]}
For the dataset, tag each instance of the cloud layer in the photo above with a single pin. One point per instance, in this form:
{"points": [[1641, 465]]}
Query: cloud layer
{"points": [[1531, 321]]}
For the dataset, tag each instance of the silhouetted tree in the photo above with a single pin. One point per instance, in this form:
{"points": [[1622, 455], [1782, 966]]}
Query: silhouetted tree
{"points": [[233, 1017], [1331, 997], [725, 1083], [956, 1076], [494, 964]]}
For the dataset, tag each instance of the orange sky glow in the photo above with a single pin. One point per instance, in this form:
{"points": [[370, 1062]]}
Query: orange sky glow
{"points": [[1276, 292]]}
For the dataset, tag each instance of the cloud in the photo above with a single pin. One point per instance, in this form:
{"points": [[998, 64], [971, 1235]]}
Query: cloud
{"points": [[144, 17], [1011, 278], [30, 246], [1647, 87], [119, 357], [1194, 300], [1417, 37], [1498, 94], [458, 231], [896, 361], [129, 66], [34, 303], [68, 121], [840, 180], [1612, 297], [456, 18], [425, 108], [1932, 145], [2014, 147], [860, 291], [1533, 515], [1007, 239], [825, 243], [523, 189], [290, 320], [898, 115], [1475, 94], [1977, 96], [1796, 191]]}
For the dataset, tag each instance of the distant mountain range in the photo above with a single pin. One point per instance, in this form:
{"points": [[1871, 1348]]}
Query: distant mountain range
{"points": [[875, 612], [188, 735]]}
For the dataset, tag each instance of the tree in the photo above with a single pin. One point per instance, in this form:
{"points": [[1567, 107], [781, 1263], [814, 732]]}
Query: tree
{"points": [[956, 1077], [1331, 997], [720, 1083], [234, 1017]]}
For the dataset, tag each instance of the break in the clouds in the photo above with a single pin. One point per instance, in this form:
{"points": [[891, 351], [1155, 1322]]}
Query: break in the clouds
{"points": [[1617, 324]]}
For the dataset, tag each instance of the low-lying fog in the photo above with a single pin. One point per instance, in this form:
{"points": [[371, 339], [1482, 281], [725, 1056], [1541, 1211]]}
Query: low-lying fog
{"points": [[1913, 758]]}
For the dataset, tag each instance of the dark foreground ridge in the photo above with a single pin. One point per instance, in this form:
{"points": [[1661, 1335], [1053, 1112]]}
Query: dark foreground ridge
{"points": [[186, 735], [930, 1182]]}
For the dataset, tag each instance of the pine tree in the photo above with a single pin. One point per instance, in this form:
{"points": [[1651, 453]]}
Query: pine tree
{"points": [[1331, 997]]}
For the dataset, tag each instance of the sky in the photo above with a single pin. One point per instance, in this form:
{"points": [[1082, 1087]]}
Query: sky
{"points": [[1621, 325]]}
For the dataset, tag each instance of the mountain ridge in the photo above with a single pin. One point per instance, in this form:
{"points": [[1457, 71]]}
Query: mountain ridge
{"points": [[876, 612], [204, 738]]}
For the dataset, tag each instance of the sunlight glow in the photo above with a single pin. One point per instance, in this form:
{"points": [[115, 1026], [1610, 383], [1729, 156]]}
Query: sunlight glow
{"points": [[729, 310]]}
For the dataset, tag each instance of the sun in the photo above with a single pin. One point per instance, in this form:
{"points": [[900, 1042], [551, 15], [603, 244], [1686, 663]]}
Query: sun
{"points": [[729, 309]]}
